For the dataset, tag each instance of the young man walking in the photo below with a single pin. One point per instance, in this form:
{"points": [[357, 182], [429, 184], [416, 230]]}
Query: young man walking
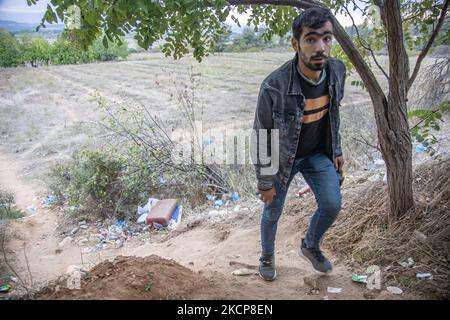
{"points": [[301, 99]]}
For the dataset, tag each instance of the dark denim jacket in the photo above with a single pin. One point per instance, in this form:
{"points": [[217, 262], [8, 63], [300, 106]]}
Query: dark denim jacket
{"points": [[280, 106]]}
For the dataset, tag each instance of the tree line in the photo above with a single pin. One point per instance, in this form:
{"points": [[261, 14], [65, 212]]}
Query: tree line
{"points": [[28, 50]]}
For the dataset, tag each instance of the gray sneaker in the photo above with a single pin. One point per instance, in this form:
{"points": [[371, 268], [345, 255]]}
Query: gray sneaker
{"points": [[267, 268], [315, 258]]}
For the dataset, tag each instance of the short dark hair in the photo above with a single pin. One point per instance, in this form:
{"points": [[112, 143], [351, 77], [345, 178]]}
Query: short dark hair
{"points": [[313, 18]]}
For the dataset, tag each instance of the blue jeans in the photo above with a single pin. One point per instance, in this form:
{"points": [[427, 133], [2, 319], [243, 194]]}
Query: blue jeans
{"points": [[320, 174]]}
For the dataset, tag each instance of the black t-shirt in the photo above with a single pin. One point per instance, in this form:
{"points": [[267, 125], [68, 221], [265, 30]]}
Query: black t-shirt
{"points": [[315, 116]]}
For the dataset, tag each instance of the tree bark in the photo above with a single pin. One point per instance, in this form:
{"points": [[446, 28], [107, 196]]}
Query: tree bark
{"points": [[395, 139]]}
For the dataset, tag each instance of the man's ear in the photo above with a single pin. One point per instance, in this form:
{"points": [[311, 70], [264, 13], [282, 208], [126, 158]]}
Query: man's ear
{"points": [[294, 43]]}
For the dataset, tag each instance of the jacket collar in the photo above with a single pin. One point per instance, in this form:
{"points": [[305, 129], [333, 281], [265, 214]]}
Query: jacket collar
{"points": [[294, 87]]}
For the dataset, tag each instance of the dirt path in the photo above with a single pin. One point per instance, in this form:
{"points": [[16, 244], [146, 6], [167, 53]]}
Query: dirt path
{"points": [[207, 249]]}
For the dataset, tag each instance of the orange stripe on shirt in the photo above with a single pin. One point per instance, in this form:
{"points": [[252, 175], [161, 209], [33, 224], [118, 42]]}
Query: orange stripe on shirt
{"points": [[317, 103], [314, 117]]}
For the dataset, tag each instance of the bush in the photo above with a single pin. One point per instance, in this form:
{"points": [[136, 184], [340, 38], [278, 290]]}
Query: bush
{"points": [[105, 183], [7, 206], [35, 51], [10, 55], [91, 177]]}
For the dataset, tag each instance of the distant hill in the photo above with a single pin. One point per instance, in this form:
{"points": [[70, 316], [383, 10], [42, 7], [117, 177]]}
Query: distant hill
{"points": [[20, 27]]}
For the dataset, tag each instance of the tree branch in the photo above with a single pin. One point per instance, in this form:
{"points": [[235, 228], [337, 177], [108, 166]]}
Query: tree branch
{"points": [[365, 45], [425, 50]]}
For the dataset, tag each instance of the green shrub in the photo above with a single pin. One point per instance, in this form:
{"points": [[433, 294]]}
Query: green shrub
{"points": [[7, 207], [10, 55], [108, 184]]}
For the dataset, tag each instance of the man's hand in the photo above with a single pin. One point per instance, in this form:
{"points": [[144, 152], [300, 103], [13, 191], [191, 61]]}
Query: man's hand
{"points": [[339, 163], [268, 195]]}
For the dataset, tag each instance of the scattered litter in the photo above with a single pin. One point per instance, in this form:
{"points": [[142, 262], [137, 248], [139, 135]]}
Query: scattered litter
{"points": [[210, 197], [408, 263], [334, 290], [374, 277], [50, 200], [86, 250], [120, 223], [161, 212], [4, 288], [379, 162], [244, 272], [142, 218], [359, 279], [82, 223], [14, 279], [218, 204], [424, 276], [304, 191], [394, 290], [162, 181], [235, 197], [145, 210], [420, 148], [31, 208], [73, 231], [237, 208], [175, 220], [326, 298]]}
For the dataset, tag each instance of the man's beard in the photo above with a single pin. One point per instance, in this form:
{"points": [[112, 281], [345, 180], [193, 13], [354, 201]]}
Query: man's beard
{"points": [[310, 63]]}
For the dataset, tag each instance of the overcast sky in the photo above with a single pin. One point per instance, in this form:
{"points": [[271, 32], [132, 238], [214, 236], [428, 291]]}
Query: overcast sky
{"points": [[19, 11]]}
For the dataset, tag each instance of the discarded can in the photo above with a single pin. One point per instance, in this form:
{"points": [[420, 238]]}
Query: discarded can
{"points": [[359, 279], [4, 288]]}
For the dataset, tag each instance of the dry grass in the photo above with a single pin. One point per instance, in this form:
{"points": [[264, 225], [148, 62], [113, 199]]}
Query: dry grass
{"points": [[362, 233]]}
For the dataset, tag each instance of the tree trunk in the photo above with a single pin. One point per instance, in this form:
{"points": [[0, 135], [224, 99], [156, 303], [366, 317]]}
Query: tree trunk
{"points": [[394, 136], [395, 143]]}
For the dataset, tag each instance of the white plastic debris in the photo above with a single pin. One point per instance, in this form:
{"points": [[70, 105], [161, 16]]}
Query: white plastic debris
{"points": [[334, 290], [142, 218], [243, 272], [145, 210], [424, 276], [408, 263], [394, 290]]}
